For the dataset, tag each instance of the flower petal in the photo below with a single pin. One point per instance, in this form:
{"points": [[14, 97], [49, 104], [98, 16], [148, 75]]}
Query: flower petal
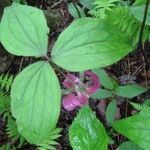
{"points": [[70, 102], [70, 81], [83, 99], [95, 80]]}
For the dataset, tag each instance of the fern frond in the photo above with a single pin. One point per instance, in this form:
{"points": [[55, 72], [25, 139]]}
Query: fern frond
{"points": [[50, 142], [4, 103], [101, 6], [140, 106], [139, 2], [122, 17], [6, 81], [12, 131]]}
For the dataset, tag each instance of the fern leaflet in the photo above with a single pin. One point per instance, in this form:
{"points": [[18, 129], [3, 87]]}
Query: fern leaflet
{"points": [[101, 6], [12, 131], [6, 81], [4, 103], [50, 143]]}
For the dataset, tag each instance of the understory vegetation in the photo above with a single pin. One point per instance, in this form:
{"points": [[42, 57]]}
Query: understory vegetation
{"points": [[75, 75]]}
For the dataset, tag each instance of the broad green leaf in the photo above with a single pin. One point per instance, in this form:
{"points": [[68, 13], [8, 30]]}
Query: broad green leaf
{"points": [[101, 94], [35, 101], [24, 31], [136, 128], [138, 12], [76, 11], [90, 43], [105, 80], [128, 146], [130, 91], [87, 132], [111, 111], [87, 3]]}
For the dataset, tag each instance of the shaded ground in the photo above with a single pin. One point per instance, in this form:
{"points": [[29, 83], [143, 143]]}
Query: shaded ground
{"points": [[129, 70]]}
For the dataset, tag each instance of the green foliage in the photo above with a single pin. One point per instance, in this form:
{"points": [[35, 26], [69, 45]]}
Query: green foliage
{"points": [[4, 103], [7, 147], [35, 101], [50, 143], [123, 18], [128, 146], [87, 43], [130, 91], [111, 111], [76, 11], [12, 131], [6, 82], [101, 94], [90, 43], [87, 3], [86, 132], [139, 2], [101, 6], [138, 12], [20, 39], [106, 81], [136, 128]]}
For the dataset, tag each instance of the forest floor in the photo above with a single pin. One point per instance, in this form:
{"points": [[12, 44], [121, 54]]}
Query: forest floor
{"points": [[131, 69]]}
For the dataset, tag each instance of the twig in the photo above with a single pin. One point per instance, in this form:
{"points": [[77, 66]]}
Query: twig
{"points": [[20, 67], [56, 4]]}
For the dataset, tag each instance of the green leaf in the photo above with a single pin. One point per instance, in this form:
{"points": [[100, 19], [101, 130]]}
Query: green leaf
{"points": [[35, 101], [90, 43], [136, 128], [105, 80], [76, 11], [138, 12], [101, 94], [87, 3], [24, 31], [128, 146], [111, 112], [87, 133], [130, 91]]}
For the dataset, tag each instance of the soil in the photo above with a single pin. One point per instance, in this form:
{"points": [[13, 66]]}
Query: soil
{"points": [[129, 70]]}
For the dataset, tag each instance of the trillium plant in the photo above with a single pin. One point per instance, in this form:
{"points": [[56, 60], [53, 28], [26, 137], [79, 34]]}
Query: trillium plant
{"points": [[86, 44]]}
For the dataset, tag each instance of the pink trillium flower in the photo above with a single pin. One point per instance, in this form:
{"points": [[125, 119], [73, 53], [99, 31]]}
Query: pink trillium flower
{"points": [[71, 101], [78, 98], [70, 81], [95, 82]]}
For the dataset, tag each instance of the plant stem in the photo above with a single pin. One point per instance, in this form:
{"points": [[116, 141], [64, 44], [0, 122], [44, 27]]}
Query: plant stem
{"points": [[141, 34]]}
